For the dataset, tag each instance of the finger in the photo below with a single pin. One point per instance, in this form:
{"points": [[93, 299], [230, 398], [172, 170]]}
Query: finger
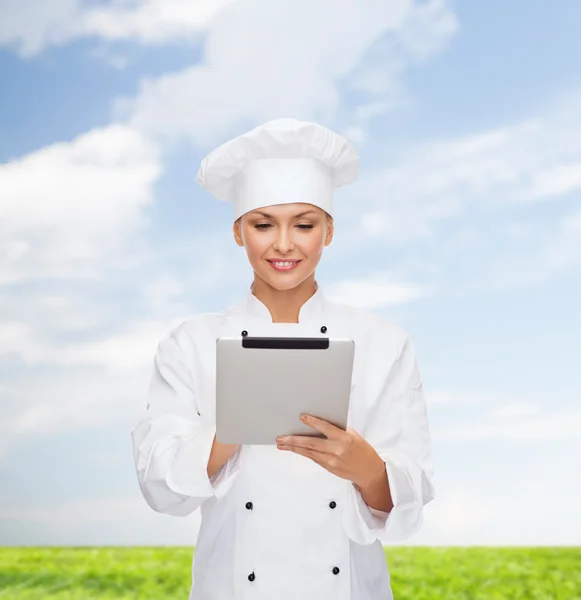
{"points": [[330, 430], [311, 443], [328, 462], [321, 458]]}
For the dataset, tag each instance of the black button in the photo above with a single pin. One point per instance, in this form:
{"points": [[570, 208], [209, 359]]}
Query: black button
{"points": [[251, 576], [249, 505], [244, 333], [323, 329], [332, 504], [335, 570]]}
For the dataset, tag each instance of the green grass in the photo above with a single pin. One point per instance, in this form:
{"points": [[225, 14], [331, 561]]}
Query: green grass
{"points": [[417, 573]]}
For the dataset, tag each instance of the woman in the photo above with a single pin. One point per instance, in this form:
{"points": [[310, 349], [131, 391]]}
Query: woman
{"points": [[303, 519]]}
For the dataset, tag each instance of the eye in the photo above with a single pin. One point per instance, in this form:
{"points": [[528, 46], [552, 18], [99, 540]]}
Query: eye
{"points": [[267, 225]]}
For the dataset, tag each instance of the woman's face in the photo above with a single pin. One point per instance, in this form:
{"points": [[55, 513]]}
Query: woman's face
{"points": [[295, 233]]}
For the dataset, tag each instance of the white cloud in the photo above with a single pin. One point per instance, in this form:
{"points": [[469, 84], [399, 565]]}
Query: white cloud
{"points": [[56, 22], [129, 348], [61, 311], [163, 292], [477, 406], [81, 398], [493, 415], [29, 31], [527, 254], [373, 292], [86, 510], [253, 69], [516, 410], [93, 358], [68, 209], [536, 159], [355, 134], [149, 21], [529, 425], [458, 515], [495, 474], [447, 398], [563, 250], [572, 224], [99, 521], [556, 181], [500, 511], [425, 30], [90, 385]]}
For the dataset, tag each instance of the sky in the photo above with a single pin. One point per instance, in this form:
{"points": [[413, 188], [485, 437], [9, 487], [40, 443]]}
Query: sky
{"points": [[464, 228]]}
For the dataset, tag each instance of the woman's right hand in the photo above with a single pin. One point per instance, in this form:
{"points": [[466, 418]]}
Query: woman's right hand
{"points": [[219, 455]]}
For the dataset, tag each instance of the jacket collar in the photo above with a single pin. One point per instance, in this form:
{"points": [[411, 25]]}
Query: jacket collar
{"points": [[312, 310]]}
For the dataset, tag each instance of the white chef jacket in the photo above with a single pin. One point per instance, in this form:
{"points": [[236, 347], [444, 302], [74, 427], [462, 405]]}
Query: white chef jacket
{"points": [[275, 524]]}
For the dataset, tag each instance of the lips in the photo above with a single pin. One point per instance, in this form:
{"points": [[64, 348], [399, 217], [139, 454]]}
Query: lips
{"points": [[280, 260], [283, 265]]}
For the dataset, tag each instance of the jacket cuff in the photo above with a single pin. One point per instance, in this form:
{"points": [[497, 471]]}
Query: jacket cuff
{"points": [[188, 474], [364, 524], [172, 472]]}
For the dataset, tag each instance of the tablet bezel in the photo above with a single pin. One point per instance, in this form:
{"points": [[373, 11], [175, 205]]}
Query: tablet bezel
{"points": [[259, 396]]}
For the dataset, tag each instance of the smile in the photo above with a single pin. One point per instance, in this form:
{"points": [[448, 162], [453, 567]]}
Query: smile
{"points": [[284, 265]]}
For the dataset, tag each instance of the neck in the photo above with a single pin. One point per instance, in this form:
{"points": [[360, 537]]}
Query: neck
{"points": [[284, 305]]}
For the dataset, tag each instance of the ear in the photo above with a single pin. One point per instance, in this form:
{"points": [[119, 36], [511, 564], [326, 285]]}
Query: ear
{"points": [[330, 231], [237, 232]]}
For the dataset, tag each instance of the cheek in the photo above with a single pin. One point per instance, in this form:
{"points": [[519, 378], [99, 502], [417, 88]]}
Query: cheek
{"points": [[256, 246], [315, 245]]}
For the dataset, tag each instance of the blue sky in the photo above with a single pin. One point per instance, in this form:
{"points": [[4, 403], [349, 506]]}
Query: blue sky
{"points": [[464, 227]]}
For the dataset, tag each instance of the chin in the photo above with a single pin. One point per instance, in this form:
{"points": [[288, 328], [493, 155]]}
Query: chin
{"points": [[281, 286], [281, 282]]}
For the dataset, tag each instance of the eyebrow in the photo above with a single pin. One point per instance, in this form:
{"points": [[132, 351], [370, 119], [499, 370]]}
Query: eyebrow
{"points": [[259, 212]]}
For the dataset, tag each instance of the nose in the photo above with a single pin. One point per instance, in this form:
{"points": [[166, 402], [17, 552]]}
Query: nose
{"points": [[283, 241]]}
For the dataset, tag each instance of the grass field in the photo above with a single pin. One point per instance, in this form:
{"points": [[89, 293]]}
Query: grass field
{"points": [[417, 573]]}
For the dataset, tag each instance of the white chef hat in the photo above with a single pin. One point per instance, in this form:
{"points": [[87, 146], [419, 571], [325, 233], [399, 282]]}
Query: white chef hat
{"points": [[280, 162]]}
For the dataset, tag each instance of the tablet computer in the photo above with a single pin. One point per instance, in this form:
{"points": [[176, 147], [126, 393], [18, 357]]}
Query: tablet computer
{"points": [[263, 384]]}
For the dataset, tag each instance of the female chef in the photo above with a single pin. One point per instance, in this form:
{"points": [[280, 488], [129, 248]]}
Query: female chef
{"points": [[304, 518]]}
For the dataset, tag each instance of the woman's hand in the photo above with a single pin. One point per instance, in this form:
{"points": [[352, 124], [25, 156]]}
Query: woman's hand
{"points": [[219, 455], [344, 453]]}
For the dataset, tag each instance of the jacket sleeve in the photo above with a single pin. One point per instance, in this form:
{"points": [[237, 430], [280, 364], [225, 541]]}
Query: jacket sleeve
{"points": [[397, 427], [172, 442]]}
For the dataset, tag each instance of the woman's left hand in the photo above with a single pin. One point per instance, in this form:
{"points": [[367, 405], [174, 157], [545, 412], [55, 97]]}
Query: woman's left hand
{"points": [[344, 453]]}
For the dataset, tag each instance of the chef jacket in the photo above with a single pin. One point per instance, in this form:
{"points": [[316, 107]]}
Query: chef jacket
{"points": [[276, 525]]}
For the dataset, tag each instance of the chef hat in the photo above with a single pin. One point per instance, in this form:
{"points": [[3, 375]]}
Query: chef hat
{"points": [[280, 162]]}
